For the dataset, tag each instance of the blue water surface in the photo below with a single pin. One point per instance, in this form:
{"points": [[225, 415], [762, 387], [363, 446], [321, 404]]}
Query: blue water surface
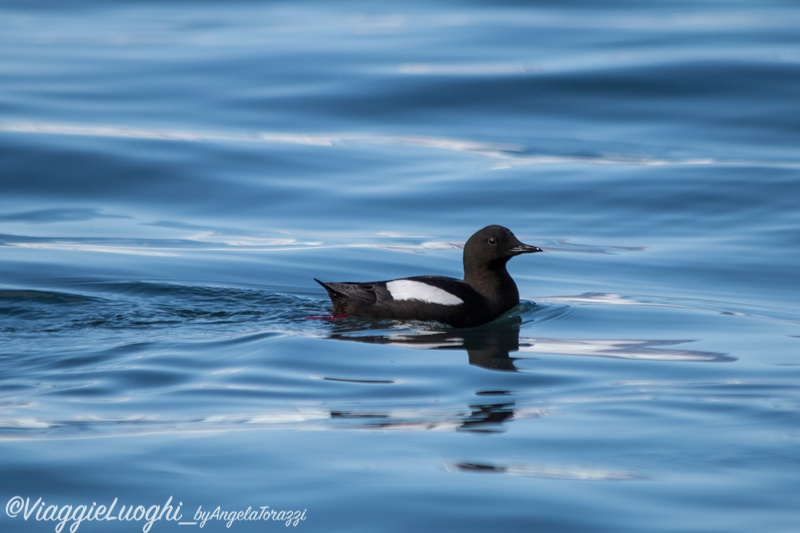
{"points": [[173, 175]]}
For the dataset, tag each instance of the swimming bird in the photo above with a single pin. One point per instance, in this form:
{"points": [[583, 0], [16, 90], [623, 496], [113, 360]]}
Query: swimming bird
{"points": [[486, 292]]}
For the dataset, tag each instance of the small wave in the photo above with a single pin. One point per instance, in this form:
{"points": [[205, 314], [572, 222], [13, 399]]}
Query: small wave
{"points": [[40, 296], [542, 312], [212, 241], [505, 156], [157, 306], [718, 307], [480, 418], [545, 472], [58, 214], [649, 350]]}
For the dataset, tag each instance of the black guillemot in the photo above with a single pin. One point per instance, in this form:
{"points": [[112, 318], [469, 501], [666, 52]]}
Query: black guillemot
{"points": [[486, 292]]}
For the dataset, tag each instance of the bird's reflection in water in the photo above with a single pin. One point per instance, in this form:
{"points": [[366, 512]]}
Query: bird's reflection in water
{"points": [[490, 346], [487, 346], [482, 418]]}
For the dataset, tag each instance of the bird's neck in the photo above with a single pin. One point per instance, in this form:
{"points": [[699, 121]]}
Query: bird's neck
{"points": [[493, 284]]}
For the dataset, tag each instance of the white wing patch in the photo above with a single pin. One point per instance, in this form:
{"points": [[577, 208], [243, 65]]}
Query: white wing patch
{"points": [[406, 289]]}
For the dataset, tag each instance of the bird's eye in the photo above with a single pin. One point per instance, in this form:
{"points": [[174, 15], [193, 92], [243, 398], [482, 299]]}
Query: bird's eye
{"points": [[492, 241]]}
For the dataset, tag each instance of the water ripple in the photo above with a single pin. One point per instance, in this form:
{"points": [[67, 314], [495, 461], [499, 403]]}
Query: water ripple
{"points": [[651, 350], [506, 156], [544, 472], [718, 307]]}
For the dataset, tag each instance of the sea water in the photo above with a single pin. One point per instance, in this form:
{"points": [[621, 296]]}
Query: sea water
{"points": [[173, 175]]}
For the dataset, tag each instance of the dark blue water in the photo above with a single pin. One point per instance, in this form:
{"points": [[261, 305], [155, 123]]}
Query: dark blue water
{"points": [[173, 175]]}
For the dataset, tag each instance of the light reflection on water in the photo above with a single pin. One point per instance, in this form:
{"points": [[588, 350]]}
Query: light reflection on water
{"points": [[172, 179], [497, 347], [507, 156]]}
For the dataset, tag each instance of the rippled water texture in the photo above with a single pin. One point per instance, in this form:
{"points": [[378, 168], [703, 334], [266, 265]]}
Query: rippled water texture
{"points": [[173, 176]]}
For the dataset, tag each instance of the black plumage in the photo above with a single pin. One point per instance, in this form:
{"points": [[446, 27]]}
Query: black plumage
{"points": [[486, 292]]}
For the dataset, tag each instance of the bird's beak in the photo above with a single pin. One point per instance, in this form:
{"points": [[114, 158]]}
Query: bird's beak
{"points": [[525, 249]]}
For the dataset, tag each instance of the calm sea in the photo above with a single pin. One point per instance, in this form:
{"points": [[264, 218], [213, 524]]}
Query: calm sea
{"points": [[174, 174]]}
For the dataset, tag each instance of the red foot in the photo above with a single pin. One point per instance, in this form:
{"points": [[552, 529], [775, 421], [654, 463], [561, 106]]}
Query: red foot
{"points": [[326, 317]]}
